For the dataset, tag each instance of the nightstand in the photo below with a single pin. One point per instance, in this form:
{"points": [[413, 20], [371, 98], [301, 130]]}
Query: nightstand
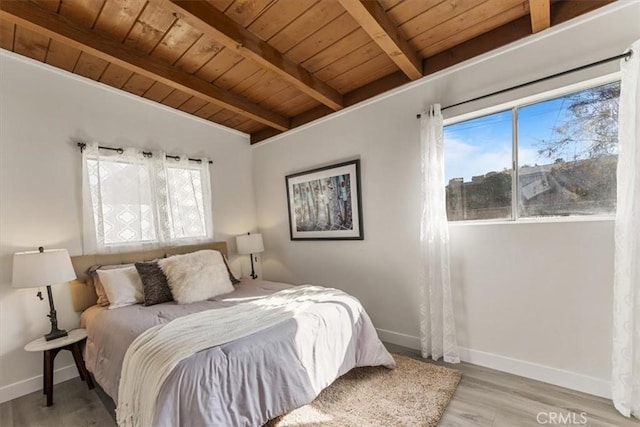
{"points": [[51, 349]]}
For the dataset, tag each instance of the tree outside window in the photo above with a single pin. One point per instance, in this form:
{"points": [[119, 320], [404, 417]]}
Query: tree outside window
{"points": [[566, 159]]}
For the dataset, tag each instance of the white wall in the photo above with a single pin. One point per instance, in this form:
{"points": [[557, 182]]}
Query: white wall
{"points": [[530, 298], [43, 112]]}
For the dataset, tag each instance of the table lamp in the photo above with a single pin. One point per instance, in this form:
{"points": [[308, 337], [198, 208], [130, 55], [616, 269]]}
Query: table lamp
{"points": [[249, 244], [43, 268]]}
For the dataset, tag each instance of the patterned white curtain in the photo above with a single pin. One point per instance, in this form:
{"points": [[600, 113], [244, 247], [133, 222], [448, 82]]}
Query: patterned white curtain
{"points": [[132, 201], [184, 199], [437, 324], [626, 292]]}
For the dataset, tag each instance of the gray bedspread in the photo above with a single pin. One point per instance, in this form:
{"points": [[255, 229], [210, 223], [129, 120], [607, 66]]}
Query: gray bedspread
{"points": [[246, 382]]}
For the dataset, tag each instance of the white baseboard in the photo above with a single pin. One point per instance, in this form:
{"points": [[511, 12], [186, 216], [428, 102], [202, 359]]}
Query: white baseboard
{"points": [[397, 338], [547, 374], [15, 390]]}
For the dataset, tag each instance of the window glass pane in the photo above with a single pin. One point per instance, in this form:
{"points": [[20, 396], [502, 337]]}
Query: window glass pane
{"points": [[185, 202], [478, 158], [121, 197], [567, 154]]}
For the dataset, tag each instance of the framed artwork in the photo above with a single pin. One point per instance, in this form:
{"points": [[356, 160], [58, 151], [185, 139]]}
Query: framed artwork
{"points": [[325, 203]]}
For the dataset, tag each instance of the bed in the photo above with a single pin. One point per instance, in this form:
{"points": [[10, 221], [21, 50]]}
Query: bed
{"points": [[245, 382]]}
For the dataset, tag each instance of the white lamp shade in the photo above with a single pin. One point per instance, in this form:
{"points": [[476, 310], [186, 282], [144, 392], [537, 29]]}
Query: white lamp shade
{"points": [[33, 269], [249, 244]]}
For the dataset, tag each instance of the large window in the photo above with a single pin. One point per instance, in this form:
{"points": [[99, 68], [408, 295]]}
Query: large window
{"points": [[137, 199], [552, 158]]}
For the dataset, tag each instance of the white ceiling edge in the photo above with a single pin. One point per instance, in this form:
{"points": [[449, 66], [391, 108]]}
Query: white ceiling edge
{"points": [[518, 44], [121, 92]]}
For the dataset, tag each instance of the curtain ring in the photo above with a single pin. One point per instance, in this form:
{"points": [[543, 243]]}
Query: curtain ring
{"points": [[120, 151]]}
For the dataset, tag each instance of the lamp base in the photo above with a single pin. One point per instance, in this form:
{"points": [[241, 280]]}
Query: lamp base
{"points": [[54, 334], [253, 272]]}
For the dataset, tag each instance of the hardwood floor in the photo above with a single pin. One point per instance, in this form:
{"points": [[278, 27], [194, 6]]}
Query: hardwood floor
{"points": [[73, 406], [485, 397]]}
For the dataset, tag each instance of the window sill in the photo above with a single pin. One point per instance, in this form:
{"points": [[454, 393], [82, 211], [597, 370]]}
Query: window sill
{"points": [[544, 220]]}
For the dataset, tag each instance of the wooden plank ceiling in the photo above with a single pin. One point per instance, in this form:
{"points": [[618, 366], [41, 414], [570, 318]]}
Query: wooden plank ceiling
{"points": [[266, 66]]}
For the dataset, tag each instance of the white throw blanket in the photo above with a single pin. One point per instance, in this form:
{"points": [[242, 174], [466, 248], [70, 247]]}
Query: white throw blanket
{"points": [[156, 352]]}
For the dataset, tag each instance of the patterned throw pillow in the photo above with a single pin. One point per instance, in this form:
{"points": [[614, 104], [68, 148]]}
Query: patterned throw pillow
{"points": [[154, 282]]}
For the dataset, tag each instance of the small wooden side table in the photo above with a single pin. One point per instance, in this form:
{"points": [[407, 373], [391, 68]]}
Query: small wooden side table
{"points": [[51, 349]]}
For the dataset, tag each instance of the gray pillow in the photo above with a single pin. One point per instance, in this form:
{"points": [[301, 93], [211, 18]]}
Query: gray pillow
{"points": [[154, 283]]}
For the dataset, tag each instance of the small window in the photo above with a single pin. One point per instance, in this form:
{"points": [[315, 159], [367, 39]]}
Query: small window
{"points": [[136, 199], [562, 152]]}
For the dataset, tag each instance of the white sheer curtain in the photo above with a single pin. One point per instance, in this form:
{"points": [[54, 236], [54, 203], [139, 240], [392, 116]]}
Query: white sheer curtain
{"points": [[132, 201], [626, 292], [184, 198], [437, 325]]}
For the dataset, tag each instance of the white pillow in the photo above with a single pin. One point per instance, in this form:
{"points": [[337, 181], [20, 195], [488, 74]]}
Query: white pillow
{"points": [[197, 276], [122, 285]]}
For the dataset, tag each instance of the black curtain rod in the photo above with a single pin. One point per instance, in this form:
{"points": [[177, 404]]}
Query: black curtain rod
{"points": [[625, 55], [82, 146]]}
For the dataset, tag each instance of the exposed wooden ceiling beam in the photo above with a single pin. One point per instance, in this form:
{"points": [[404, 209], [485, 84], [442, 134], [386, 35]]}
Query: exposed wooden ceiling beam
{"points": [[375, 21], [365, 92], [515, 30], [540, 12], [375, 88], [50, 24], [235, 37]]}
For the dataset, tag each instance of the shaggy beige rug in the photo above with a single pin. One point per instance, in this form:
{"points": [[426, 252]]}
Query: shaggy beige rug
{"points": [[414, 394]]}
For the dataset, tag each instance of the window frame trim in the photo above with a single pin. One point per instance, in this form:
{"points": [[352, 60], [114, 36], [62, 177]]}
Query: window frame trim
{"points": [[534, 220], [515, 180]]}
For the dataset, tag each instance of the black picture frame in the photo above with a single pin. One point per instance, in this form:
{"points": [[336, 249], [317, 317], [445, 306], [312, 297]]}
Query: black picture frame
{"points": [[325, 203]]}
